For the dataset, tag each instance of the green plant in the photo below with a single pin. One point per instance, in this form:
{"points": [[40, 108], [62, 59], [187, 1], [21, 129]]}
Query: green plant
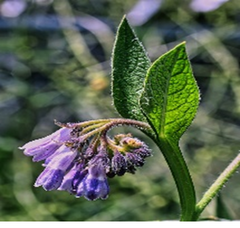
{"points": [[159, 98]]}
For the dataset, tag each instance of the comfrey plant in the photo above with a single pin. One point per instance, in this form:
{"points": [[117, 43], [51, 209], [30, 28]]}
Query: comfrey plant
{"points": [[160, 99]]}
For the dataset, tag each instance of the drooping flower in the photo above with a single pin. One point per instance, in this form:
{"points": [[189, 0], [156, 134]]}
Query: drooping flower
{"points": [[42, 148], [72, 179], [78, 158], [94, 185], [52, 176]]}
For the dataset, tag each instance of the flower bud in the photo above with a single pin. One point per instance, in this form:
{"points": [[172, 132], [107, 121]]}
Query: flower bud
{"points": [[131, 143], [119, 165]]}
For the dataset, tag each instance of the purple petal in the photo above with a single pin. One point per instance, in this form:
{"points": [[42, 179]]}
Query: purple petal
{"points": [[42, 148], [80, 189], [78, 178], [96, 188], [60, 150], [60, 135], [66, 184], [50, 179], [93, 188], [52, 176], [94, 185], [44, 152], [63, 159], [73, 178]]}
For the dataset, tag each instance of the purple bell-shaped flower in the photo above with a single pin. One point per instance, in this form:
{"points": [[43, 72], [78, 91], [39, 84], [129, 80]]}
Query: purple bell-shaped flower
{"points": [[42, 148], [52, 176]]}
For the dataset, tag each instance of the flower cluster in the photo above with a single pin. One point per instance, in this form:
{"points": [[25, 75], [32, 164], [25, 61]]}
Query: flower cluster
{"points": [[79, 157]]}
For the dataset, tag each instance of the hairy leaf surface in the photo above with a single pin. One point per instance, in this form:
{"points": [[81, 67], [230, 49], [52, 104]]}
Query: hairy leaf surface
{"points": [[129, 67]]}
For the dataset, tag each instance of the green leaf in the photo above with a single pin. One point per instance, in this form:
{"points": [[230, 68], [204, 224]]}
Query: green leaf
{"points": [[129, 67], [169, 101], [171, 96]]}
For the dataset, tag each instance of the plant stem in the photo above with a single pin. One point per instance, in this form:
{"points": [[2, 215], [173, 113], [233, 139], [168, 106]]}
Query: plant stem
{"points": [[91, 127], [216, 186], [127, 122], [104, 125], [181, 175]]}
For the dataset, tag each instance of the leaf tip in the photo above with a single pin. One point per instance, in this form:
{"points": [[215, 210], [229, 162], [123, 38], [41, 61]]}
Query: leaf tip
{"points": [[181, 45], [124, 19]]}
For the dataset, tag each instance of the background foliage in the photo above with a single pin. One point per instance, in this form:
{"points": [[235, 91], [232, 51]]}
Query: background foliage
{"points": [[55, 64]]}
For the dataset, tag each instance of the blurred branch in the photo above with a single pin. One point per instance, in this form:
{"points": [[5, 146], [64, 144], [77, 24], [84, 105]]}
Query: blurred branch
{"points": [[102, 32], [73, 37], [90, 69]]}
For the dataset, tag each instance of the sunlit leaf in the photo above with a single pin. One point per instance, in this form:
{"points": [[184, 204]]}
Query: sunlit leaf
{"points": [[171, 96]]}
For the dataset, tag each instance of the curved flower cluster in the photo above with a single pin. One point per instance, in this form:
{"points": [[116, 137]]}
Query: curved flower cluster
{"points": [[78, 159]]}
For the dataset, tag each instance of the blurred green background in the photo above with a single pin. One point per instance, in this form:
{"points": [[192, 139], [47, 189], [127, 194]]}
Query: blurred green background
{"points": [[55, 64]]}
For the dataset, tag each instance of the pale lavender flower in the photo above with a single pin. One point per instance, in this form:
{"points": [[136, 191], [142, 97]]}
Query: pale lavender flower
{"points": [[42, 148]]}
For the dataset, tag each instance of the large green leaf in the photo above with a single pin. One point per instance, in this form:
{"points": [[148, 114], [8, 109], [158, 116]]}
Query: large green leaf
{"points": [[171, 96], [129, 67]]}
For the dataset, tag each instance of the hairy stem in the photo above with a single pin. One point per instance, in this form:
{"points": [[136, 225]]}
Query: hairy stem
{"points": [[91, 127], [103, 126], [128, 122], [181, 175], [216, 186]]}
